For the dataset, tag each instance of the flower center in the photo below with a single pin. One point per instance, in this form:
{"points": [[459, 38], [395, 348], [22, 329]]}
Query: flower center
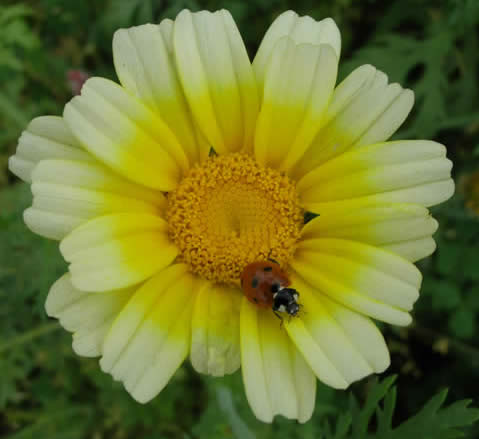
{"points": [[230, 211]]}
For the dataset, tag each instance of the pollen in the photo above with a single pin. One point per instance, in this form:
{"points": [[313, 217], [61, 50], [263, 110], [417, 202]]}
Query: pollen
{"points": [[230, 211]]}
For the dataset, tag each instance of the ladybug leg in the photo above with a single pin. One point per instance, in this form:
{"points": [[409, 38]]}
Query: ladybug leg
{"points": [[301, 309], [279, 317]]}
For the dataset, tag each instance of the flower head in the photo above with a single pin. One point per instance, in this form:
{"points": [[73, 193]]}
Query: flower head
{"points": [[157, 230]]}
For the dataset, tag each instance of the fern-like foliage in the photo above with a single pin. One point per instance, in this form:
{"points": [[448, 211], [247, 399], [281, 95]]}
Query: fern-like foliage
{"points": [[374, 420], [428, 60], [228, 416]]}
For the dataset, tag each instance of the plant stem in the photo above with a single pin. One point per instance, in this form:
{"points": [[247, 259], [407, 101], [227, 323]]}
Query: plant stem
{"points": [[10, 111], [29, 335], [455, 345]]}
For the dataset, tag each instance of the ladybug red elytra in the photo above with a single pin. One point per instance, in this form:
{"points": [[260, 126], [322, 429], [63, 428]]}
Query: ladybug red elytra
{"points": [[266, 285]]}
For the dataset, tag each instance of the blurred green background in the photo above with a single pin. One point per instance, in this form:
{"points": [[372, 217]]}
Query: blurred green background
{"points": [[431, 46]]}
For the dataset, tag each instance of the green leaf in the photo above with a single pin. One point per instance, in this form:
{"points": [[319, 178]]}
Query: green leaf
{"points": [[445, 295], [361, 418], [67, 423], [471, 300], [470, 265], [463, 323], [433, 421], [448, 257], [343, 425], [385, 416]]}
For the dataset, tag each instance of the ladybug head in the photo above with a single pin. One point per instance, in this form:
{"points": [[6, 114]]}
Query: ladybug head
{"points": [[286, 300], [292, 309]]}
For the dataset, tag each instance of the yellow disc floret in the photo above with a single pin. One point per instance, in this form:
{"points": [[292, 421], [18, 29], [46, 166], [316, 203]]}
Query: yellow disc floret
{"points": [[230, 211]]}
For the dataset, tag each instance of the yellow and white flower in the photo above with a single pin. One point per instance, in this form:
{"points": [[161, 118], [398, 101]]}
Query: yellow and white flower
{"points": [[157, 230]]}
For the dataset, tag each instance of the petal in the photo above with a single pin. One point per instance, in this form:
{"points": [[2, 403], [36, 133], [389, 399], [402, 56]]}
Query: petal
{"points": [[276, 377], [46, 137], [370, 280], [151, 337], [49, 224], [400, 228], [88, 315], [117, 251], [96, 177], [363, 334], [376, 225], [299, 80], [428, 194], [166, 28], [364, 109], [68, 193], [300, 30], [305, 384], [215, 330], [217, 78], [351, 343], [408, 171], [414, 249], [145, 65], [123, 133]]}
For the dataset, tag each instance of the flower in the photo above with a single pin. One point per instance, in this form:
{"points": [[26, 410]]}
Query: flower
{"points": [[157, 230]]}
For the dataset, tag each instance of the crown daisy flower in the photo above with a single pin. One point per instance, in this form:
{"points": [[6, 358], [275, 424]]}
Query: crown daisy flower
{"points": [[158, 231]]}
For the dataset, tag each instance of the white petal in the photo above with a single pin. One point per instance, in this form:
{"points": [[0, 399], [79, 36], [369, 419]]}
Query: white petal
{"points": [[151, 337], [88, 315], [93, 176], [408, 171], [351, 342], [412, 250], [363, 334], [300, 30], [364, 109], [145, 66], [126, 135], [117, 251], [215, 330], [68, 193], [51, 225], [299, 81], [376, 225], [46, 137], [217, 78], [276, 378], [370, 280]]}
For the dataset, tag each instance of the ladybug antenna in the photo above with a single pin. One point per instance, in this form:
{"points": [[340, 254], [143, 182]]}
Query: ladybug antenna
{"points": [[269, 258]]}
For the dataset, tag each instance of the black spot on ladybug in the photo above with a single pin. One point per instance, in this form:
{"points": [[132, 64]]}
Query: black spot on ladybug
{"points": [[254, 282], [275, 288], [255, 300], [268, 269]]}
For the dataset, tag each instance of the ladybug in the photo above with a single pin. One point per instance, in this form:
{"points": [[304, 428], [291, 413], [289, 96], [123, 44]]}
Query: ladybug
{"points": [[266, 284]]}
